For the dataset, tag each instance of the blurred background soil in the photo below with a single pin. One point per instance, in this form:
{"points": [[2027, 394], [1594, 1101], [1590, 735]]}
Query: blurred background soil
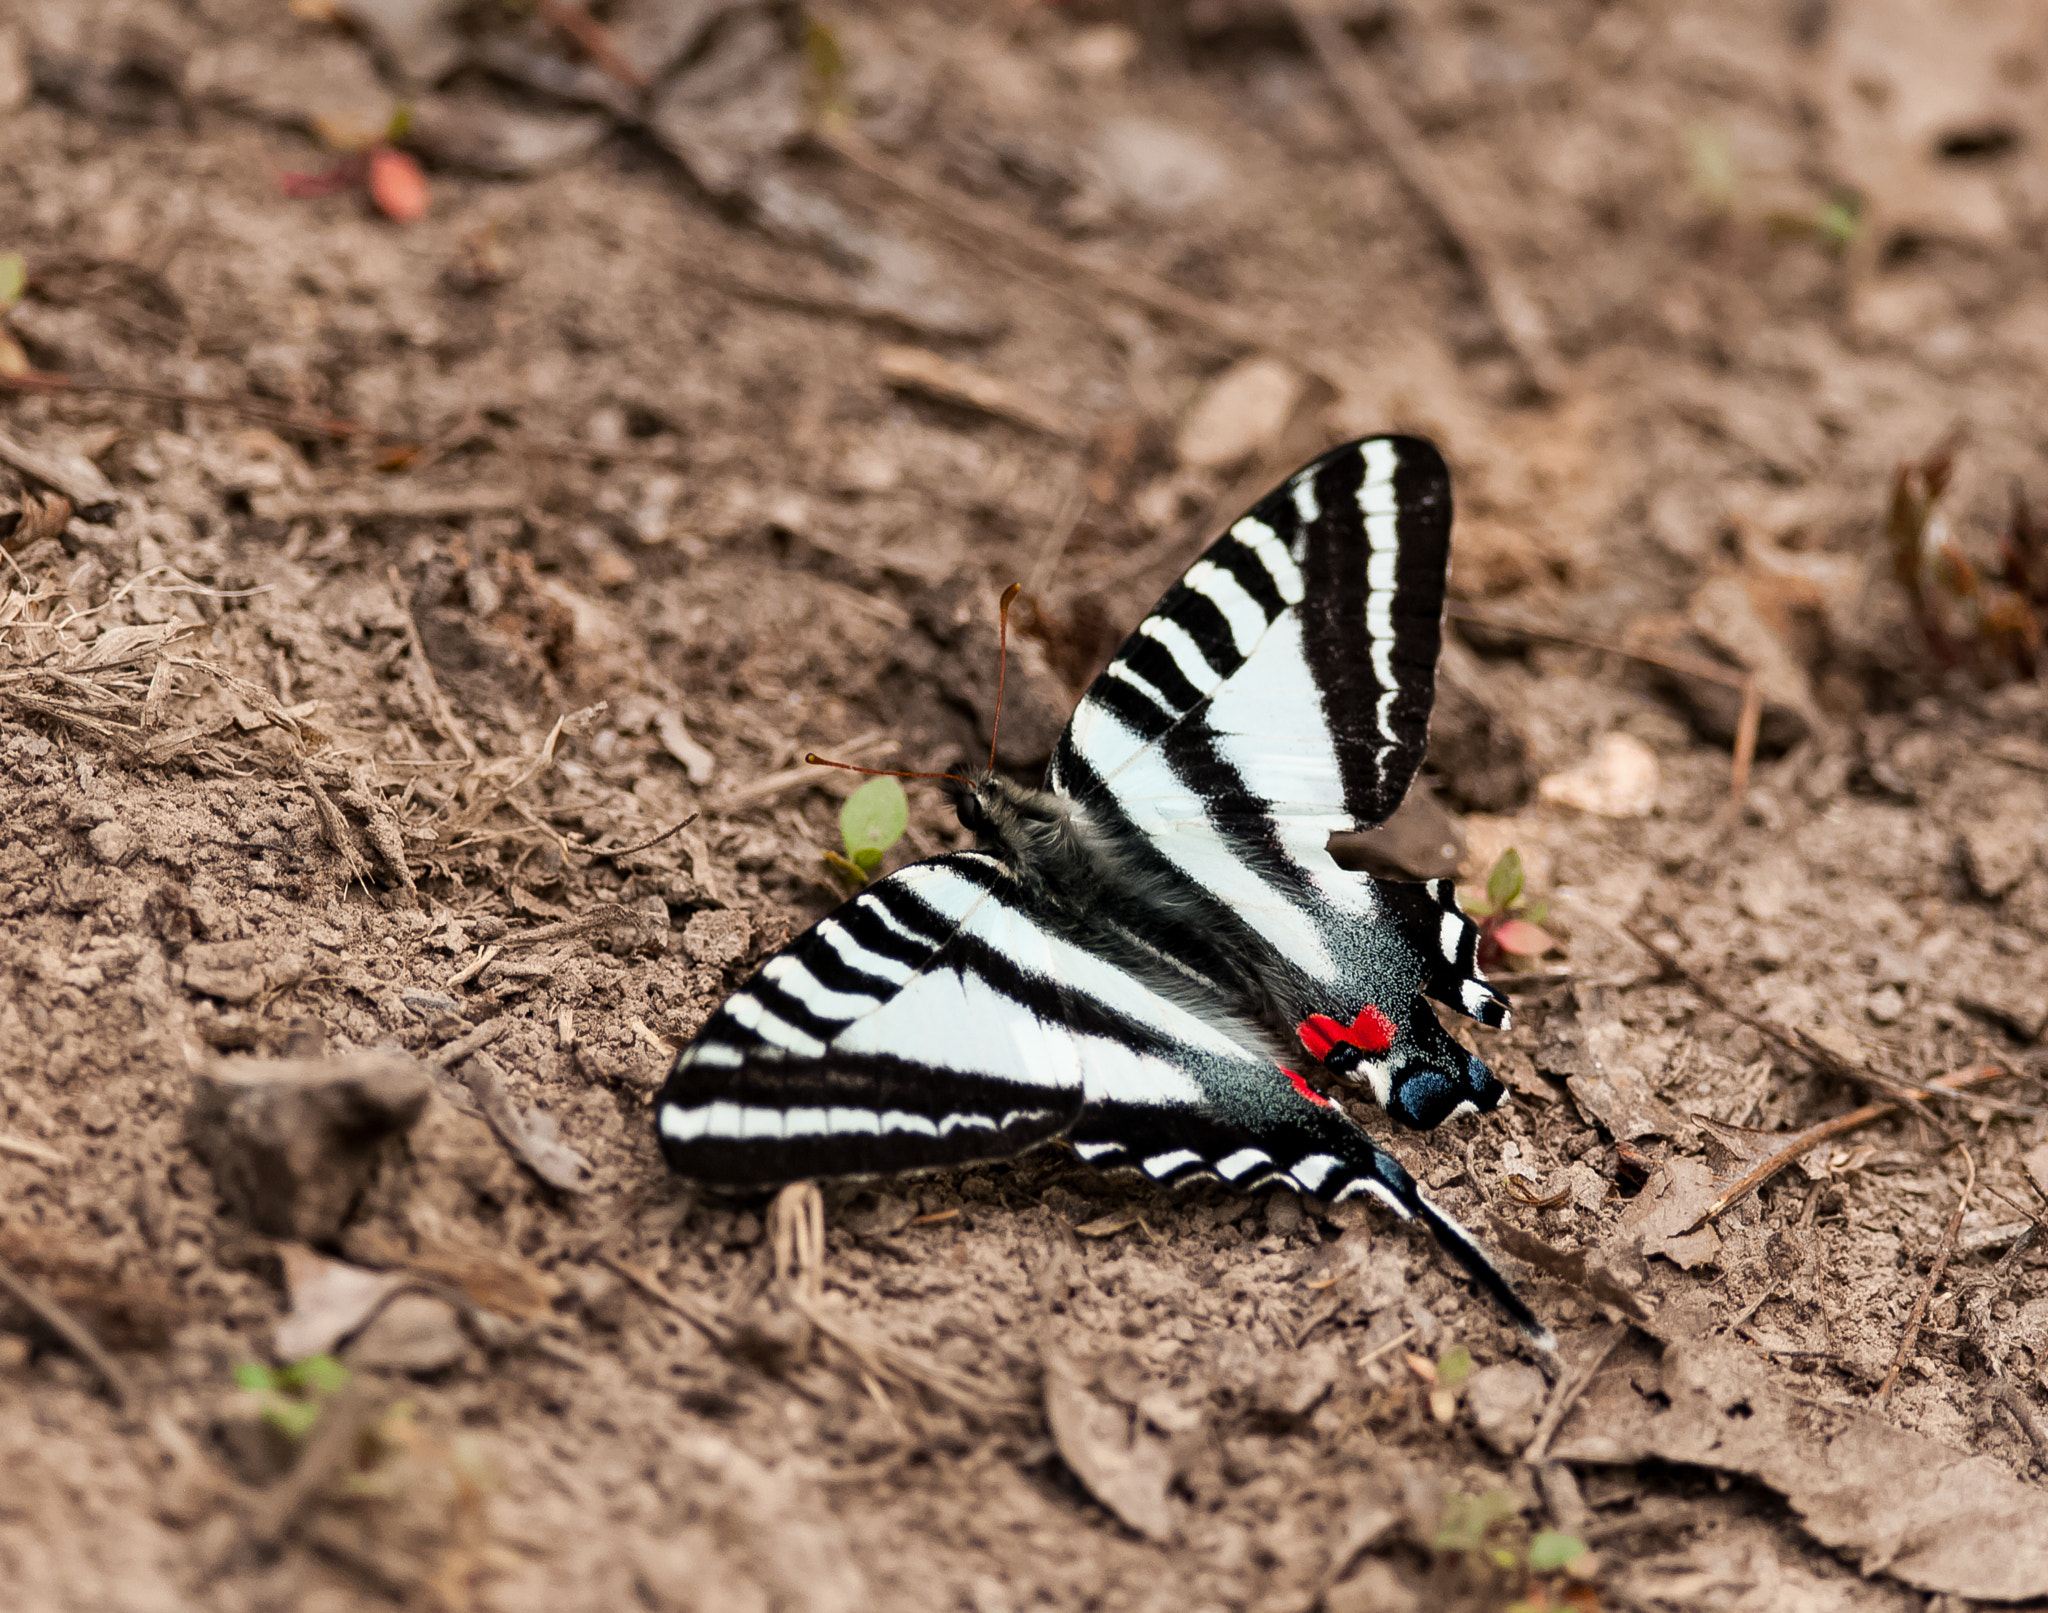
{"points": [[445, 448]]}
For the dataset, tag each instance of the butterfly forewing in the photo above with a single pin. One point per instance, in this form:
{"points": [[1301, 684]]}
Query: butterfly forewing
{"points": [[1278, 693]]}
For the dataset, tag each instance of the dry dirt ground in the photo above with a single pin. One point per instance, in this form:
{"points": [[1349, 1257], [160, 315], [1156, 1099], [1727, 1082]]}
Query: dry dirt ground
{"points": [[418, 577]]}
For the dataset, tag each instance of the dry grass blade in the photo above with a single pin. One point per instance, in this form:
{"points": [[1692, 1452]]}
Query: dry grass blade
{"points": [[1747, 725], [73, 475], [72, 1331], [796, 1232], [1566, 1395], [1378, 113], [1934, 1276], [977, 228], [328, 1450], [893, 1363], [915, 370], [423, 674]]}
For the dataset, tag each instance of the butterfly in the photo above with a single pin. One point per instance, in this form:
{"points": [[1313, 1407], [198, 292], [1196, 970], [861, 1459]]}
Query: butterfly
{"points": [[1140, 958]]}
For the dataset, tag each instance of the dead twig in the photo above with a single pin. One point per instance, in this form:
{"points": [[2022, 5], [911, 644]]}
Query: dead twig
{"points": [[73, 1332], [915, 370], [976, 227], [2009, 1395], [79, 479], [328, 1450], [1804, 1142], [1566, 1395], [1379, 115], [29, 1148], [423, 673], [713, 1326], [1794, 1041], [475, 1042], [1934, 1275], [269, 414], [594, 38]]}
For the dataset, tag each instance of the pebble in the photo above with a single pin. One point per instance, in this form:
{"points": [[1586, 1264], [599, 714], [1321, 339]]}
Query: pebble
{"points": [[1885, 1005], [1239, 413], [1503, 1401], [718, 937], [1619, 780], [415, 1333]]}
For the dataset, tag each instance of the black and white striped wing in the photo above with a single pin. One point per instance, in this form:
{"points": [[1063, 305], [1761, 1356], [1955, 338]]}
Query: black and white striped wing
{"points": [[1281, 692], [932, 1020], [935, 1020]]}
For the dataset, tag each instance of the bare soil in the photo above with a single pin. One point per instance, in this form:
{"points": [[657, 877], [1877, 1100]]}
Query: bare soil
{"points": [[421, 578]]}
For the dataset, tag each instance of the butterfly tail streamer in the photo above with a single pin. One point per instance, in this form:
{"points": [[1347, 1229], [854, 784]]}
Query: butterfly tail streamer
{"points": [[1277, 1132]]}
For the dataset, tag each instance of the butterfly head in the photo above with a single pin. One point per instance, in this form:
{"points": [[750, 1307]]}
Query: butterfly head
{"points": [[1034, 831]]}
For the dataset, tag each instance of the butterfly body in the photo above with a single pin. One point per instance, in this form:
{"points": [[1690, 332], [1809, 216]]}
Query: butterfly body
{"points": [[1141, 957]]}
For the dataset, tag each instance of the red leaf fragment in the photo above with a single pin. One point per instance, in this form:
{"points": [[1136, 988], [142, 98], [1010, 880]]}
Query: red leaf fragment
{"points": [[397, 186]]}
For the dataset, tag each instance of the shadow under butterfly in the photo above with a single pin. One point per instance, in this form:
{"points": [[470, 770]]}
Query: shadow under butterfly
{"points": [[1140, 957]]}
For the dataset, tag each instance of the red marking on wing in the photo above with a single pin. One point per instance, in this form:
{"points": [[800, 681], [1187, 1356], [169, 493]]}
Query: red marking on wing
{"points": [[1304, 1088], [1370, 1032]]}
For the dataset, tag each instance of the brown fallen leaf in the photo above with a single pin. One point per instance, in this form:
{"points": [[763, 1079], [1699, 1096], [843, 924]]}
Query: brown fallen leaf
{"points": [[330, 1300], [1124, 1466], [1674, 1200], [530, 1134], [1934, 1517]]}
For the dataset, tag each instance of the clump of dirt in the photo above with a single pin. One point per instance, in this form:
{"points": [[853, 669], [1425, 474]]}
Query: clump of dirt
{"points": [[410, 636]]}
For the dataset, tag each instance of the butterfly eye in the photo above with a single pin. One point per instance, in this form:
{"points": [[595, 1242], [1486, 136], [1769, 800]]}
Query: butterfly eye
{"points": [[971, 815]]}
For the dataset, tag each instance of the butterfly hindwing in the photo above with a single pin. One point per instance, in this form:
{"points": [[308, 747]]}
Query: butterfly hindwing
{"points": [[916, 1026]]}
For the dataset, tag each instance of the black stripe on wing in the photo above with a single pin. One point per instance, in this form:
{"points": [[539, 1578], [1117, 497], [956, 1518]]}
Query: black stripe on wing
{"points": [[1375, 556], [1264, 1132], [1448, 943]]}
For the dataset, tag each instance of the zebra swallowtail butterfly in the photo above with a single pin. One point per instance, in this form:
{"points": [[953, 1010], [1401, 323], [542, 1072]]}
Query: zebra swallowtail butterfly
{"points": [[1137, 957]]}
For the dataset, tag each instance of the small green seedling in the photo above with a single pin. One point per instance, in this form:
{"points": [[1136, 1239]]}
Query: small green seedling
{"points": [[293, 1396], [1509, 928], [1483, 1530], [13, 282], [871, 821]]}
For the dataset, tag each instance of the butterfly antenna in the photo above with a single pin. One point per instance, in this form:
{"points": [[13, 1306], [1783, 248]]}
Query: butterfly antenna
{"points": [[1002, 665], [815, 760]]}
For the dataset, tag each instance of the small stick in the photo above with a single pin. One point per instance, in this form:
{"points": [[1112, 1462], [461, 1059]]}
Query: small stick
{"points": [[73, 484], [327, 1451], [423, 671], [707, 1322], [73, 1332], [1380, 116], [644, 845], [29, 1148], [475, 1042], [55, 381], [977, 226], [1568, 1390], [2007, 1394], [1806, 1141], [915, 370], [1691, 666], [1795, 1042], [595, 39], [1934, 1275]]}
